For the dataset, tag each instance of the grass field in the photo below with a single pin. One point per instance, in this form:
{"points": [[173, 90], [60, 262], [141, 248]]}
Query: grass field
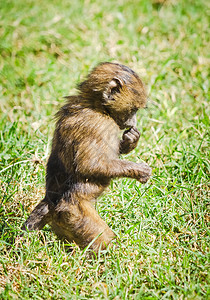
{"points": [[46, 48]]}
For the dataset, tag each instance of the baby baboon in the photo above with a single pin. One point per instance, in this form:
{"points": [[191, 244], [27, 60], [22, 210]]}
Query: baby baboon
{"points": [[85, 154]]}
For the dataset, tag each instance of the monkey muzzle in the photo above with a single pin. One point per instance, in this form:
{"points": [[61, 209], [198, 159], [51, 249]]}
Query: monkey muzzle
{"points": [[129, 123]]}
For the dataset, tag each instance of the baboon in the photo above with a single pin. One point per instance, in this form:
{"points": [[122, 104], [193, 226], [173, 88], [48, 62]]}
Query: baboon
{"points": [[85, 154]]}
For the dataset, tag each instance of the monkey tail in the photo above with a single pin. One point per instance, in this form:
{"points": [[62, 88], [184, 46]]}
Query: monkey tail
{"points": [[39, 217]]}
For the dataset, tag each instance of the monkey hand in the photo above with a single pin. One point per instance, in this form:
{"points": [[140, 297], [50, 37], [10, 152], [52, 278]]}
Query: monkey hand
{"points": [[142, 172], [129, 140]]}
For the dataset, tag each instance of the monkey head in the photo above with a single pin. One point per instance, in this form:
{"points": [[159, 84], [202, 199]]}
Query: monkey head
{"points": [[117, 91]]}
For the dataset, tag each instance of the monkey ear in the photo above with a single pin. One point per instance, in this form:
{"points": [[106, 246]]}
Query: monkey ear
{"points": [[112, 88], [115, 85]]}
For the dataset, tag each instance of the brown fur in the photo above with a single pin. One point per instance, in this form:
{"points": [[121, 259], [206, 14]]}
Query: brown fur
{"points": [[85, 154]]}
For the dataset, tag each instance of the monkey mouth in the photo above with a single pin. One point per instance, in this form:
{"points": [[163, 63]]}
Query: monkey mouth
{"points": [[124, 127]]}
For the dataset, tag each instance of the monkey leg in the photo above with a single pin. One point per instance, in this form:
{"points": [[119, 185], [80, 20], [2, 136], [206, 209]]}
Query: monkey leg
{"points": [[81, 223], [39, 217]]}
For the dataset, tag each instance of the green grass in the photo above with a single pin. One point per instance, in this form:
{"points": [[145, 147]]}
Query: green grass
{"points": [[46, 48]]}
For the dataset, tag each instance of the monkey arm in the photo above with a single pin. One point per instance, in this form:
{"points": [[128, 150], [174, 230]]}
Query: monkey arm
{"points": [[102, 168], [129, 140], [122, 168], [99, 160]]}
